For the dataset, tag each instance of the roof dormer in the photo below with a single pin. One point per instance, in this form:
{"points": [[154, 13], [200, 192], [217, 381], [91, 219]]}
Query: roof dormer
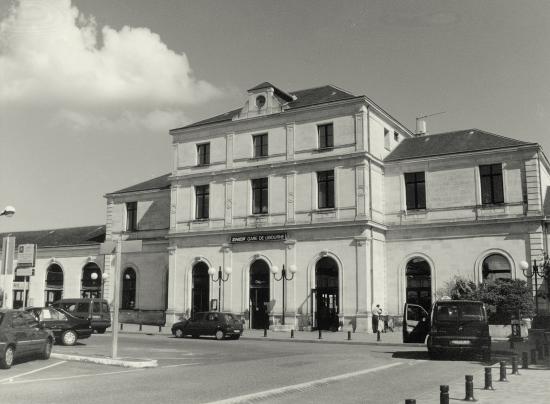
{"points": [[264, 99]]}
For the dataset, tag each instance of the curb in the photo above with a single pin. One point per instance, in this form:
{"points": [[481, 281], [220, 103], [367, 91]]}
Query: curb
{"points": [[136, 364], [317, 341]]}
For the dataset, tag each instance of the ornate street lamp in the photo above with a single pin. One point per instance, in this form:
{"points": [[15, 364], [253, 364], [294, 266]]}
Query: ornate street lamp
{"points": [[104, 277], [220, 279], [292, 269], [541, 270]]}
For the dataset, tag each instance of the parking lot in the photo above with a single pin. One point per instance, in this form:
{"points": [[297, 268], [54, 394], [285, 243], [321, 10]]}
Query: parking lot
{"points": [[205, 370]]}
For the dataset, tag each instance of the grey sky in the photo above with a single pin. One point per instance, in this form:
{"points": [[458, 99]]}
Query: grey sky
{"points": [[486, 63]]}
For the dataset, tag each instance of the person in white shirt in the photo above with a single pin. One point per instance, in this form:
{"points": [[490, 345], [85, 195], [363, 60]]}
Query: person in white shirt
{"points": [[376, 312]]}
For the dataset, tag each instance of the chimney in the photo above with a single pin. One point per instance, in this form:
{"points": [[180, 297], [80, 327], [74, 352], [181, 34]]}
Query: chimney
{"points": [[421, 126]]}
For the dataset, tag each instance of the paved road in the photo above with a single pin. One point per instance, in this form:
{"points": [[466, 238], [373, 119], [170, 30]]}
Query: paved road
{"points": [[205, 370]]}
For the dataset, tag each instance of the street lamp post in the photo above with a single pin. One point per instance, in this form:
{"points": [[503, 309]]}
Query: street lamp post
{"points": [[283, 277], [104, 277], [541, 270], [220, 279]]}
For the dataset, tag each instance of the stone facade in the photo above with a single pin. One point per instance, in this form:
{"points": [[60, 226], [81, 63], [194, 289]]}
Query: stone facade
{"points": [[347, 257]]}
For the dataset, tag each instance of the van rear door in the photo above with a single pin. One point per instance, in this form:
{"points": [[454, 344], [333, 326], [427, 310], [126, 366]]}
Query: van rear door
{"points": [[416, 323]]}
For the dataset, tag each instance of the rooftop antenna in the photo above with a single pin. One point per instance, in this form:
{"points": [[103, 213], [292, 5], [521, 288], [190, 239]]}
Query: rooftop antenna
{"points": [[421, 123]]}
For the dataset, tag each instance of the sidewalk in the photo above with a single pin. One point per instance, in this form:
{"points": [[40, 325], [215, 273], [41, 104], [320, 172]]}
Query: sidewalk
{"points": [[327, 337]]}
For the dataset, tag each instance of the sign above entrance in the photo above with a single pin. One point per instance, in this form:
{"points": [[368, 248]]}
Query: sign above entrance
{"points": [[249, 238], [26, 254]]}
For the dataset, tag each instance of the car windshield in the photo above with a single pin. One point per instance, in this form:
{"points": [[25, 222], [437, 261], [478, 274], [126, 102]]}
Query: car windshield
{"points": [[459, 312]]}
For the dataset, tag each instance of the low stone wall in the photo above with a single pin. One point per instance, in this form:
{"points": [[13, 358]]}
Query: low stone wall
{"points": [[505, 330]]}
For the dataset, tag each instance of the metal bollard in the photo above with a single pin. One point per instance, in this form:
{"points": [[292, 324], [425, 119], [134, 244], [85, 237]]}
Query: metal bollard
{"points": [[320, 334], [410, 401], [469, 388], [265, 332], [120, 326], [515, 365], [291, 333], [444, 394], [160, 328], [524, 360], [140, 326], [546, 354], [503, 372], [377, 335], [512, 346], [488, 379], [349, 335], [533, 356]]}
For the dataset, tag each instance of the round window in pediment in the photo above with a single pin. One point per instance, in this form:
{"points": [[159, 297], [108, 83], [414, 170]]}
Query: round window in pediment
{"points": [[260, 101]]}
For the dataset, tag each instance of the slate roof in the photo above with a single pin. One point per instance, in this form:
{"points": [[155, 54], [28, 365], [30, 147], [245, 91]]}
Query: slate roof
{"points": [[303, 98], [278, 92], [158, 183], [87, 235], [462, 141]]}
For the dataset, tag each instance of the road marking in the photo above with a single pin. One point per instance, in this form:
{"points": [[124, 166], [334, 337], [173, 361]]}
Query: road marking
{"points": [[10, 379], [74, 377], [181, 364], [262, 395]]}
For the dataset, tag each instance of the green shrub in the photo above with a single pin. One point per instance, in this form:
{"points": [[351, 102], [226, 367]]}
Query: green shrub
{"points": [[502, 297]]}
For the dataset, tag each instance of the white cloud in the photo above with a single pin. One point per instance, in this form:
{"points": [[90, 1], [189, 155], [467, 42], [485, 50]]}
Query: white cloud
{"points": [[52, 57]]}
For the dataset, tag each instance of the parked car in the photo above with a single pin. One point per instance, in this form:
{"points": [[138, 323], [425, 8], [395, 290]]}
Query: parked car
{"points": [[20, 335], [66, 328], [95, 310], [220, 325], [455, 326]]}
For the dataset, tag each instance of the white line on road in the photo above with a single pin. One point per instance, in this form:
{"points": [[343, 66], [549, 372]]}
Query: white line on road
{"points": [[262, 395], [75, 376], [181, 364], [10, 379]]}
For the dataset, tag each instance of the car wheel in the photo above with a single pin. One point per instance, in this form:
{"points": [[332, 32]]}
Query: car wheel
{"points": [[100, 330], [178, 333], [219, 335], [69, 337], [236, 337], [7, 357], [434, 353], [47, 350], [195, 336]]}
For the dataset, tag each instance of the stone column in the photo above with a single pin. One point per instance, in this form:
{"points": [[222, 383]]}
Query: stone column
{"points": [[227, 291], [290, 260], [290, 141], [171, 315], [363, 314], [228, 216], [290, 197]]}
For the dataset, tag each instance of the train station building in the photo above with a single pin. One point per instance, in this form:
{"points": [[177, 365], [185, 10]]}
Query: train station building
{"points": [[325, 189]]}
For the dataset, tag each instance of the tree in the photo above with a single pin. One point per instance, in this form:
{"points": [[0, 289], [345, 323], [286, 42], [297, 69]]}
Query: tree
{"points": [[502, 297]]}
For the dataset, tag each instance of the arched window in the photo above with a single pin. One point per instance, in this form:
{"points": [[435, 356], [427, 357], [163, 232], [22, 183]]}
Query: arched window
{"points": [[496, 266], [54, 284], [419, 283], [326, 294], [259, 294], [91, 284], [201, 288], [128, 289]]}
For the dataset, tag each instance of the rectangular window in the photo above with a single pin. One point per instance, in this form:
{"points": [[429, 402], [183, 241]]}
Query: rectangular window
{"points": [[396, 136], [492, 191], [202, 196], [386, 139], [260, 145], [260, 196], [326, 137], [131, 216], [325, 189], [415, 189], [203, 154]]}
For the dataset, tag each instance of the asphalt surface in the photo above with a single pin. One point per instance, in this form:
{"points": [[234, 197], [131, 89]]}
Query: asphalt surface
{"points": [[206, 370]]}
